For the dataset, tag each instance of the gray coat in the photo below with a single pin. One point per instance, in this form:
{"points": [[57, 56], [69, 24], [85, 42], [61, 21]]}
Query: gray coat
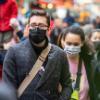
{"points": [[20, 59]]}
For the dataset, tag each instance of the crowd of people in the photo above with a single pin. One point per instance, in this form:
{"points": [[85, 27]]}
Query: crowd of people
{"points": [[48, 58]]}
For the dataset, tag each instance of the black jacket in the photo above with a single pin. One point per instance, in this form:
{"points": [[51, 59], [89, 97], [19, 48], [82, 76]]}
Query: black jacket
{"points": [[97, 80], [90, 75], [19, 61], [54, 37], [96, 67]]}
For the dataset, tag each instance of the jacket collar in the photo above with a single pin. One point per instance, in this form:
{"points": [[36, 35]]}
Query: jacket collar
{"points": [[49, 67]]}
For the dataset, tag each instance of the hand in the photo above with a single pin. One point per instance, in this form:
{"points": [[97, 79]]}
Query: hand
{"points": [[26, 31], [14, 24]]}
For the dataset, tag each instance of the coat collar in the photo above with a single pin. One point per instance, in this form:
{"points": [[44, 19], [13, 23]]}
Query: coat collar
{"points": [[49, 66]]}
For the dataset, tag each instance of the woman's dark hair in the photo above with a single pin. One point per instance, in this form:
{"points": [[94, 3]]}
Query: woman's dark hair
{"points": [[85, 50], [74, 30], [93, 31], [40, 13]]}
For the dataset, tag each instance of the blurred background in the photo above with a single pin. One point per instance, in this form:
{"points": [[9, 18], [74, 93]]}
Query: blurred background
{"points": [[83, 11], [78, 8]]}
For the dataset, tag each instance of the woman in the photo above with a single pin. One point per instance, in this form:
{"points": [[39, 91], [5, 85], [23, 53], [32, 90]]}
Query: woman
{"points": [[75, 48], [94, 38]]}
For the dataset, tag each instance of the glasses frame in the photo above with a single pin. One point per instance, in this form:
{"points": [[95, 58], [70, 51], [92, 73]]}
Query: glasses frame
{"points": [[40, 25]]}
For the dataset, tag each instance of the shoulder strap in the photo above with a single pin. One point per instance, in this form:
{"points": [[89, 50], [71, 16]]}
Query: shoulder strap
{"points": [[36, 67], [77, 85]]}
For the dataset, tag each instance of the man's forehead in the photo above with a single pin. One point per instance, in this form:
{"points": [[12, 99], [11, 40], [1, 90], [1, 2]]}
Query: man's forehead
{"points": [[38, 19]]}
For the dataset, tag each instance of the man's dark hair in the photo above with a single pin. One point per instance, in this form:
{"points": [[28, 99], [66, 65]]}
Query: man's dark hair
{"points": [[40, 13]]}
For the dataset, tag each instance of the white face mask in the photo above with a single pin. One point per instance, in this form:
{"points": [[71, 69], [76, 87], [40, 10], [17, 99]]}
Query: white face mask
{"points": [[73, 50]]}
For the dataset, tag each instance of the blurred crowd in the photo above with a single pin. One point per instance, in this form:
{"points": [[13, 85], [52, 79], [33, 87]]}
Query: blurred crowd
{"points": [[14, 29]]}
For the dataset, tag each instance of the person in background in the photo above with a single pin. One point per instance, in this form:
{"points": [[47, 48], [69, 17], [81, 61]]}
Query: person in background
{"points": [[8, 14], [94, 38], [96, 22], [33, 5], [54, 70], [76, 48], [56, 31], [68, 20]]}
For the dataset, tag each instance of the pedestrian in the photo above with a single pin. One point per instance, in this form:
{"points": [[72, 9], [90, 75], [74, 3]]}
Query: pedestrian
{"points": [[8, 14], [94, 38], [56, 31], [54, 68], [79, 59]]}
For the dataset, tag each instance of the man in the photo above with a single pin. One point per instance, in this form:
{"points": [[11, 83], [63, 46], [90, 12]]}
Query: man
{"points": [[21, 58]]}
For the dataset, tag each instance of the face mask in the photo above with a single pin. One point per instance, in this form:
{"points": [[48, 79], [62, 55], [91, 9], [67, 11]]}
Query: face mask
{"points": [[73, 50], [96, 45], [37, 35]]}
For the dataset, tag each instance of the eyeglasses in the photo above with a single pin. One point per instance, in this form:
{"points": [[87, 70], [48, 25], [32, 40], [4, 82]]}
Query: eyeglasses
{"points": [[40, 25]]}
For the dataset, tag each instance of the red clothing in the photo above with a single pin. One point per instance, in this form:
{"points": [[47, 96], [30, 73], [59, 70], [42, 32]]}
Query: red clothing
{"points": [[8, 10]]}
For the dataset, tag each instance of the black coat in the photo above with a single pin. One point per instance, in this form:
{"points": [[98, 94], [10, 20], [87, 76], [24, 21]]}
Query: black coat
{"points": [[90, 75], [54, 37], [19, 61], [97, 80], [96, 67]]}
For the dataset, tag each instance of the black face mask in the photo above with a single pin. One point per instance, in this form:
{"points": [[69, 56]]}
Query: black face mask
{"points": [[97, 45], [37, 35]]}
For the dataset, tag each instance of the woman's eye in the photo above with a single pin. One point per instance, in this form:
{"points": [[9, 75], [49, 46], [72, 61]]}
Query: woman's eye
{"points": [[74, 44], [68, 43]]}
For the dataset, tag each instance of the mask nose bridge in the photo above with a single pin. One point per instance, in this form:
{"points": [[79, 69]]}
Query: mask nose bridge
{"points": [[97, 39], [36, 28]]}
